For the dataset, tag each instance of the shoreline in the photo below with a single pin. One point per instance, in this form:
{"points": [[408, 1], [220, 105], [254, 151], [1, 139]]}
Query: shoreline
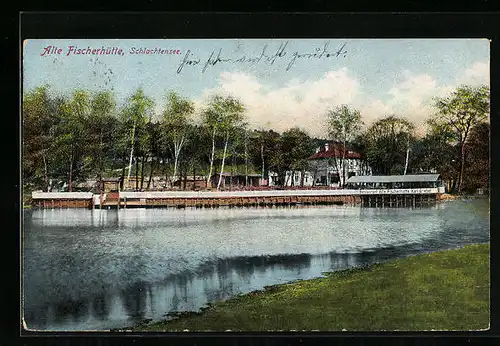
{"points": [[221, 202], [214, 199], [299, 305]]}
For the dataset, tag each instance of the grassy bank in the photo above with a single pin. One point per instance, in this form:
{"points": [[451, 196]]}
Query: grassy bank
{"points": [[446, 290]]}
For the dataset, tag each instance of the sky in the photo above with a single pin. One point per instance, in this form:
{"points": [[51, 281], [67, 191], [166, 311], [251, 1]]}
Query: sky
{"points": [[283, 83]]}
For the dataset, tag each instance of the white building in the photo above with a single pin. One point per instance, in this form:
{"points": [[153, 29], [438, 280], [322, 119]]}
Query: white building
{"points": [[325, 168], [326, 165], [292, 178]]}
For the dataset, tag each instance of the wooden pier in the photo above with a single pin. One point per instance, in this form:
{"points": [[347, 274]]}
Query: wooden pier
{"points": [[243, 201], [371, 197], [399, 201], [181, 199], [49, 200]]}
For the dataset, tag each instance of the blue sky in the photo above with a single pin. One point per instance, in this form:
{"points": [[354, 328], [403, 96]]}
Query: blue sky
{"points": [[377, 76]]}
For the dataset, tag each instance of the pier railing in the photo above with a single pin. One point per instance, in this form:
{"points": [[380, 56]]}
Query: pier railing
{"points": [[61, 195]]}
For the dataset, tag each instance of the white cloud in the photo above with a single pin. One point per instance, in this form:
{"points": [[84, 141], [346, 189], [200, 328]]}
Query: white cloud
{"points": [[478, 74], [375, 109], [304, 103], [412, 97], [297, 103]]}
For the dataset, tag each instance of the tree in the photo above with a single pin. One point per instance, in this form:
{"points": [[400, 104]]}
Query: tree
{"points": [[120, 150], [344, 124], [314, 166], [277, 159], [262, 144], [70, 139], [387, 142], [264, 151], [195, 156], [221, 117], [175, 124], [458, 113], [434, 153], [238, 151], [246, 154], [40, 117], [210, 125], [137, 113], [143, 151], [154, 136], [478, 158], [294, 147], [298, 147], [101, 129]]}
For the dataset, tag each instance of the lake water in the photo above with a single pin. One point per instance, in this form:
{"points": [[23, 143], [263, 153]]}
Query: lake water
{"points": [[103, 269]]}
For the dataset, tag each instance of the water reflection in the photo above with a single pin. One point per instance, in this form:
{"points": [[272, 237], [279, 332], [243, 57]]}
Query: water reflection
{"points": [[115, 271]]}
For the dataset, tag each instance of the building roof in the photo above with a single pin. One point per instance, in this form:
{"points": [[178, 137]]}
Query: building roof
{"points": [[393, 178], [335, 150]]}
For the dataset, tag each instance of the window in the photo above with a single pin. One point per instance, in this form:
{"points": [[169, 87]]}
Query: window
{"points": [[334, 178]]}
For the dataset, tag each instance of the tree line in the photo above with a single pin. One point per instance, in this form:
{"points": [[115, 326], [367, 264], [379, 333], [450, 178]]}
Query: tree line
{"points": [[87, 135]]}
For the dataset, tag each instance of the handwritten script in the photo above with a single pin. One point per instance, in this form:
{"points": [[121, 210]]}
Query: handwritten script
{"points": [[266, 56]]}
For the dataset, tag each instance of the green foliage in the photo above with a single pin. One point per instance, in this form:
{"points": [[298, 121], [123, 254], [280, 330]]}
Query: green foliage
{"points": [[344, 123], [291, 153], [136, 114], [39, 122], [457, 114], [70, 138], [263, 145], [175, 124], [434, 152], [196, 151], [477, 168], [297, 147], [139, 108], [386, 142], [223, 114], [177, 116], [101, 130]]}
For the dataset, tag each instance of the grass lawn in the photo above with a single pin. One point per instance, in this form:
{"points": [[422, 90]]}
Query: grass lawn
{"points": [[447, 290]]}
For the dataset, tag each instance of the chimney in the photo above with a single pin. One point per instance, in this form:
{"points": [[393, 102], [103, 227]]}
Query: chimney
{"points": [[326, 146]]}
